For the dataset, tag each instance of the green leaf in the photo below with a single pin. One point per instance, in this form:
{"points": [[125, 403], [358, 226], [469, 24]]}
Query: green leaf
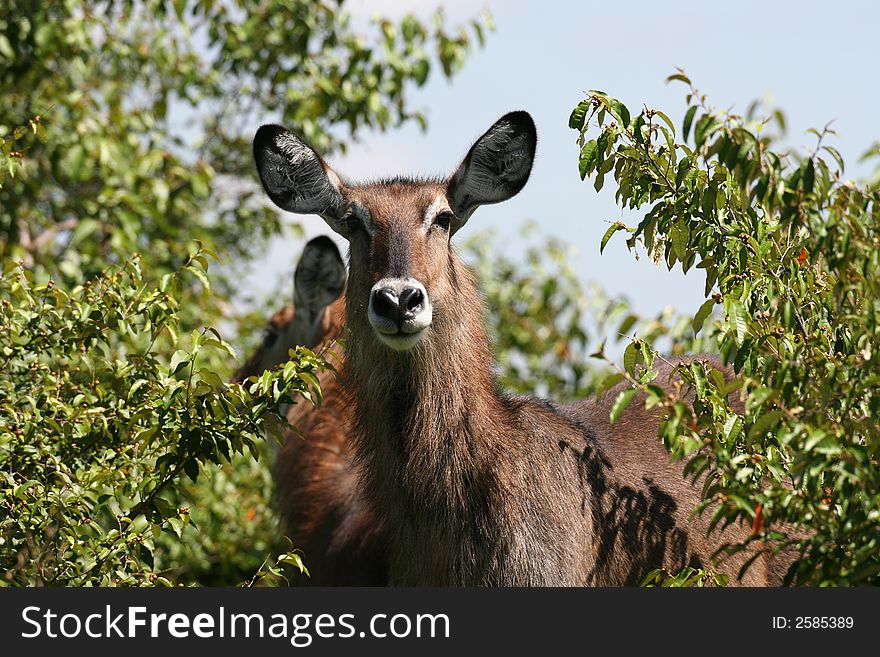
{"points": [[836, 155], [623, 400], [703, 313], [739, 321], [608, 382], [688, 120], [815, 439], [201, 275], [293, 559], [621, 111], [579, 114], [21, 490], [137, 385], [808, 175], [666, 120], [628, 322], [764, 422], [608, 233], [680, 77], [587, 160], [145, 434], [212, 379], [179, 360], [220, 344], [681, 235], [732, 428], [630, 355], [421, 70], [191, 468], [704, 125], [176, 525], [647, 354], [6, 48], [699, 375], [309, 378]]}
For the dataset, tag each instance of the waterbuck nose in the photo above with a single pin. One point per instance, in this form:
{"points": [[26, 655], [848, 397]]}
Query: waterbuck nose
{"points": [[411, 301], [387, 304], [399, 307]]}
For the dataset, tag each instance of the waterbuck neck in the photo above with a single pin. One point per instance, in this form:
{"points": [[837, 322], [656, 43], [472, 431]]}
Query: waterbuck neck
{"points": [[423, 417]]}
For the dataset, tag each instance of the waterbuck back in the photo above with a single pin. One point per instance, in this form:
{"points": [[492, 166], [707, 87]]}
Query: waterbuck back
{"points": [[474, 486]]}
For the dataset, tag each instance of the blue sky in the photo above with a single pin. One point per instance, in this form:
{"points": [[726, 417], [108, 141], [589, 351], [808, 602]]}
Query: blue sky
{"points": [[816, 61]]}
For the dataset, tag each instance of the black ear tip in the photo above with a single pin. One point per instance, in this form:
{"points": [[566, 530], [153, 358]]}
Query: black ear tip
{"points": [[521, 120], [266, 136], [325, 244]]}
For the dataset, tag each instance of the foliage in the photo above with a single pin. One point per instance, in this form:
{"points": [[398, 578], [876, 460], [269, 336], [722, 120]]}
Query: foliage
{"points": [[790, 252], [125, 458], [97, 429], [545, 323], [10, 157], [232, 529], [688, 577], [536, 313]]}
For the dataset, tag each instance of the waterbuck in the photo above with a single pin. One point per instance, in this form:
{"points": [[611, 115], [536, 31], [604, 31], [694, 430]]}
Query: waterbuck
{"points": [[316, 492], [473, 486], [318, 284]]}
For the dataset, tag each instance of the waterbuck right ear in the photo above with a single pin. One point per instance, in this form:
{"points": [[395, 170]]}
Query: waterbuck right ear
{"points": [[294, 175], [497, 166], [320, 276]]}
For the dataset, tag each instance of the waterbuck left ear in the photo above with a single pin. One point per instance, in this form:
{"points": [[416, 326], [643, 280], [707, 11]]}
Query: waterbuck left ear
{"points": [[497, 166], [295, 176]]}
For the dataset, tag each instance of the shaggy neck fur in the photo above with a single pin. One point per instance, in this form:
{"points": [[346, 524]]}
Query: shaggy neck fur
{"points": [[423, 434]]}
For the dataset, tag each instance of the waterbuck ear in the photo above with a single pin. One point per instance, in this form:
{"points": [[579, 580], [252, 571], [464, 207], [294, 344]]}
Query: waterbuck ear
{"points": [[294, 175], [320, 276], [497, 166]]}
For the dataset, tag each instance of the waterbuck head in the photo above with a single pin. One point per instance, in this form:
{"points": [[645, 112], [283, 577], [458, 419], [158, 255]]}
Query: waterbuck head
{"points": [[402, 268], [318, 281]]}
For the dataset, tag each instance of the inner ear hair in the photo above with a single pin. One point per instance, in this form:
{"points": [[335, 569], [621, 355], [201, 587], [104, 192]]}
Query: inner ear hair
{"points": [[294, 176], [497, 166]]}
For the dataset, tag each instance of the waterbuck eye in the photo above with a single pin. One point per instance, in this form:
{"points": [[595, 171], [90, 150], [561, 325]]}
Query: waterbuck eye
{"points": [[351, 221], [444, 220]]}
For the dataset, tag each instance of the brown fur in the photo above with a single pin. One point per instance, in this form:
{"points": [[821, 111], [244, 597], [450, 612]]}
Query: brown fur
{"points": [[261, 359], [316, 492]]}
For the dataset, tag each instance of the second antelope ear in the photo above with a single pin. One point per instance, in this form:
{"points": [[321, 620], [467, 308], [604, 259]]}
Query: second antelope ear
{"points": [[320, 276], [294, 175], [497, 166]]}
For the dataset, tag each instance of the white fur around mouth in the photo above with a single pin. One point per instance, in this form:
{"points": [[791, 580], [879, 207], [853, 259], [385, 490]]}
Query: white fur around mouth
{"points": [[401, 341]]}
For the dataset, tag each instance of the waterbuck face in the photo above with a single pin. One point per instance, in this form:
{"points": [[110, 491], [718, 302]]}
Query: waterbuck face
{"points": [[398, 230]]}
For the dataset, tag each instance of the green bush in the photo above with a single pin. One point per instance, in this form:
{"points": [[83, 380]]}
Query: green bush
{"points": [[98, 430], [789, 248]]}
